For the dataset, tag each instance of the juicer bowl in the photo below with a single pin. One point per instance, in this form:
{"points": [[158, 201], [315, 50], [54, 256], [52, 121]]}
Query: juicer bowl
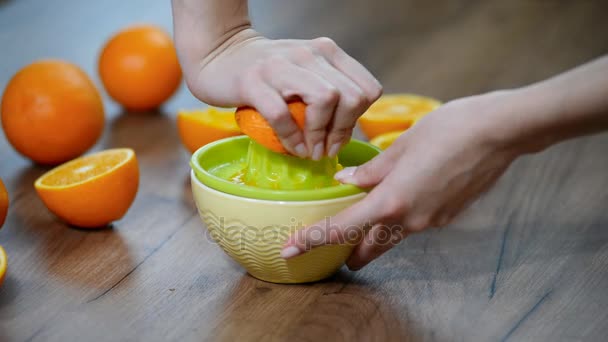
{"points": [[252, 225]]}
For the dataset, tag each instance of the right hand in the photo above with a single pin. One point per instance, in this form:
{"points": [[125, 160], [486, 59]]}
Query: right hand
{"points": [[251, 70]]}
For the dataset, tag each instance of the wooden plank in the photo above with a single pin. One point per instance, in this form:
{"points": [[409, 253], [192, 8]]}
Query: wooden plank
{"points": [[529, 261]]}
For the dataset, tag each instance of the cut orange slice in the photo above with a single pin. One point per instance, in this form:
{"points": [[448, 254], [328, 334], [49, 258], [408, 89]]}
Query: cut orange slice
{"points": [[396, 112], [199, 127], [3, 203], [91, 191], [383, 141], [3, 264]]}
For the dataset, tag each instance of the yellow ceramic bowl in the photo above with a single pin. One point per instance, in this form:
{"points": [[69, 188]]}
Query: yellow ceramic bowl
{"points": [[253, 231]]}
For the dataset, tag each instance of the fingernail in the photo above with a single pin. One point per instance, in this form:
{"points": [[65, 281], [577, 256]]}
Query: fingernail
{"points": [[334, 149], [345, 174], [290, 252], [317, 151], [355, 268], [301, 150]]}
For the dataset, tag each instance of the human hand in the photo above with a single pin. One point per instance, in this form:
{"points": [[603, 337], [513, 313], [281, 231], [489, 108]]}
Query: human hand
{"points": [[248, 69], [426, 178]]}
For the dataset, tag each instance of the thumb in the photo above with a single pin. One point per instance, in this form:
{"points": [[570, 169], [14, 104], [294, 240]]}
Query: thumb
{"points": [[370, 173]]}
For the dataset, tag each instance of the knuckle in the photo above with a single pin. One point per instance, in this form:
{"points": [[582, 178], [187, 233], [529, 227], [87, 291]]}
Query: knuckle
{"points": [[373, 170], [393, 207], [273, 62], [376, 91], [339, 134], [417, 224], [253, 71], [292, 137], [365, 171], [355, 100], [325, 45], [317, 122], [274, 115], [315, 132], [327, 95], [381, 234], [302, 55]]}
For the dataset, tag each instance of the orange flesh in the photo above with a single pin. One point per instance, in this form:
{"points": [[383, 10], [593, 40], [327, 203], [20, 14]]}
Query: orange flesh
{"points": [[83, 169]]}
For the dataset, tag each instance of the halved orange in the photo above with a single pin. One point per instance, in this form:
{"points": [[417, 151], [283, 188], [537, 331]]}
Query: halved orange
{"points": [[257, 128], [3, 264], [197, 128], [91, 191], [383, 141], [3, 203], [395, 112]]}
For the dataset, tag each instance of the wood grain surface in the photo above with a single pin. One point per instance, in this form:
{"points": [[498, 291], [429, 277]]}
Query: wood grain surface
{"points": [[529, 261]]}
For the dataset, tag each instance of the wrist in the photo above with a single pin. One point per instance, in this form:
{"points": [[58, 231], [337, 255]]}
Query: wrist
{"points": [[229, 40], [201, 27], [517, 120], [199, 72]]}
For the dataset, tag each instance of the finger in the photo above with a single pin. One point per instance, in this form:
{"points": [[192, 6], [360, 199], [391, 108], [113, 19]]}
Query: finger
{"points": [[350, 67], [348, 226], [377, 241], [273, 108], [372, 172], [352, 104], [320, 96]]}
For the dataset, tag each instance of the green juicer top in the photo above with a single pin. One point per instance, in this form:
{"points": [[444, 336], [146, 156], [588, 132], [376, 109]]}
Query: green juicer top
{"points": [[271, 170], [239, 167]]}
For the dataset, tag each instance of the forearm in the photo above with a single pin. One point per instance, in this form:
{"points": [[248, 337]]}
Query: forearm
{"points": [[569, 105], [201, 26]]}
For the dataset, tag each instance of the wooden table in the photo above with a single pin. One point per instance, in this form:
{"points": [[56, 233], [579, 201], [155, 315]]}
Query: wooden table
{"points": [[529, 261]]}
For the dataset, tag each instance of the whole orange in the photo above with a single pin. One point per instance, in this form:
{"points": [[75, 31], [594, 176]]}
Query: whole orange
{"points": [[257, 128], [139, 67], [52, 112]]}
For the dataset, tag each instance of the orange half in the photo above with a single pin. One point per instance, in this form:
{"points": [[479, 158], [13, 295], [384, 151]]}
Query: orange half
{"points": [[3, 203], [197, 128], [91, 191], [3, 264], [383, 141], [396, 112]]}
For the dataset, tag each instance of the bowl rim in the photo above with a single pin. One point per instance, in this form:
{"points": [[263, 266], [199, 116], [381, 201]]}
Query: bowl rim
{"points": [[197, 182], [239, 190]]}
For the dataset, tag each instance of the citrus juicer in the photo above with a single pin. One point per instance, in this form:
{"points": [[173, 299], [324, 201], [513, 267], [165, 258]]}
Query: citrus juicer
{"points": [[251, 223], [272, 170]]}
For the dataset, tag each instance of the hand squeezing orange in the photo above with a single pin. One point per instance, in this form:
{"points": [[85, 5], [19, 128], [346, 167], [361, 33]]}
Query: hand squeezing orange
{"points": [[257, 128]]}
